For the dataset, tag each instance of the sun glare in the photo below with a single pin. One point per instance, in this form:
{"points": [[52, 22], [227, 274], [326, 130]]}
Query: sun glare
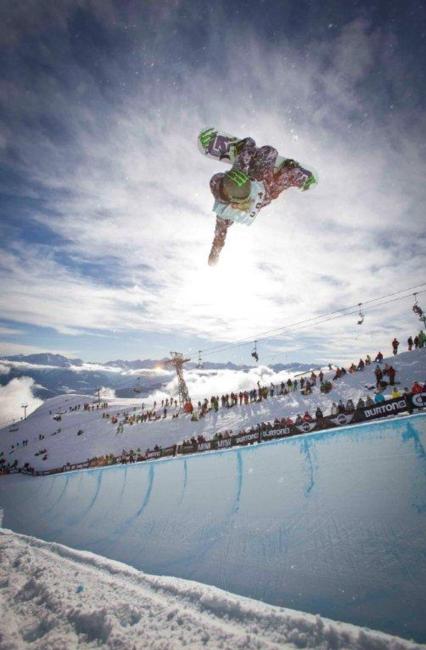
{"points": [[228, 299]]}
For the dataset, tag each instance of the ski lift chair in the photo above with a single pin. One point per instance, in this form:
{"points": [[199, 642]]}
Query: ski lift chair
{"points": [[416, 307], [254, 353], [200, 360]]}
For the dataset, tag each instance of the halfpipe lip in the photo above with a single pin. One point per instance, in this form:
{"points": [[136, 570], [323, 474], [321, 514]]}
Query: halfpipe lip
{"points": [[331, 432]]}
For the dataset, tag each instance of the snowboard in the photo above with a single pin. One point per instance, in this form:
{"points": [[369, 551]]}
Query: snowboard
{"points": [[218, 145]]}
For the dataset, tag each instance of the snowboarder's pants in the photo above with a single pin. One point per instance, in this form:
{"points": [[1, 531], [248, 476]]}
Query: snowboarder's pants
{"points": [[220, 231]]}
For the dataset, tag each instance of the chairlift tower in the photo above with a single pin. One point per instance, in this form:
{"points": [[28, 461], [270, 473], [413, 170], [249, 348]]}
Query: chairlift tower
{"points": [[177, 360]]}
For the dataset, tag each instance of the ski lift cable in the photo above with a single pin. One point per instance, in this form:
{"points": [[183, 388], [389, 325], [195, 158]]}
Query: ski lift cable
{"points": [[416, 306], [344, 312], [320, 318], [371, 309], [374, 308], [309, 320], [337, 316]]}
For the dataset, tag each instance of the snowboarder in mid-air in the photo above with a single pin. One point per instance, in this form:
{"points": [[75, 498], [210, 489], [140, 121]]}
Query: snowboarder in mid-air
{"points": [[257, 177]]}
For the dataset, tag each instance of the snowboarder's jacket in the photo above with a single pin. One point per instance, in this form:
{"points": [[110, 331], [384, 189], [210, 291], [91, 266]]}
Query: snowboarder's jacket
{"points": [[259, 164]]}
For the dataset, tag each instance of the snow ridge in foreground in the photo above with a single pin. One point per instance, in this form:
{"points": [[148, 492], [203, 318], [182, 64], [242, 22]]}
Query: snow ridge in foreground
{"points": [[52, 596]]}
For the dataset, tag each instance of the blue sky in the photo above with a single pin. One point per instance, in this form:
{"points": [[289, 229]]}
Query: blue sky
{"points": [[105, 209]]}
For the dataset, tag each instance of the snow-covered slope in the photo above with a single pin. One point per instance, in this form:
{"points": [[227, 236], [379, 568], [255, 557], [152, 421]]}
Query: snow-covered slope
{"points": [[100, 436], [55, 597], [331, 522]]}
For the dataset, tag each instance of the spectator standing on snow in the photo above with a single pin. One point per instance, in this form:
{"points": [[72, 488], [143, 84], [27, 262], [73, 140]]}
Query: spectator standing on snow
{"points": [[337, 375], [379, 375], [319, 414], [350, 408], [410, 343], [391, 374], [395, 344], [416, 388], [422, 339], [379, 358]]}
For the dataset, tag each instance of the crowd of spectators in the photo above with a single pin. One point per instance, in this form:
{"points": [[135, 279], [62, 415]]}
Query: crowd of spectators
{"points": [[304, 384], [385, 376]]}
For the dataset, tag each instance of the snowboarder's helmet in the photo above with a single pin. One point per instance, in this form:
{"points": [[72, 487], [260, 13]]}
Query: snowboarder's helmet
{"points": [[236, 185]]}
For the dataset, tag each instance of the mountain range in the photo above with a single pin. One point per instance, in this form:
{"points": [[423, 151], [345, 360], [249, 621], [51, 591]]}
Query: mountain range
{"points": [[55, 374]]}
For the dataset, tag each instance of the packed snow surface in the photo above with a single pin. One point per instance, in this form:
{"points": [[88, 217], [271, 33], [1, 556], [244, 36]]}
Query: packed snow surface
{"points": [[55, 597], [332, 522]]}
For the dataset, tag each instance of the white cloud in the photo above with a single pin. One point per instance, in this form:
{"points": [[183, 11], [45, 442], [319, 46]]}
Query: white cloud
{"points": [[12, 396], [204, 383], [106, 393], [8, 349], [6, 331], [134, 199]]}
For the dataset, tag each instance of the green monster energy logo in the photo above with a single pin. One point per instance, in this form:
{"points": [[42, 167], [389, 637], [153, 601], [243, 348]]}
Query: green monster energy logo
{"points": [[206, 137], [238, 177], [309, 181]]}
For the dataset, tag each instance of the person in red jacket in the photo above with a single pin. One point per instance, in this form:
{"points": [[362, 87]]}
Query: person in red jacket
{"points": [[253, 169], [416, 388], [391, 374], [188, 407]]}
